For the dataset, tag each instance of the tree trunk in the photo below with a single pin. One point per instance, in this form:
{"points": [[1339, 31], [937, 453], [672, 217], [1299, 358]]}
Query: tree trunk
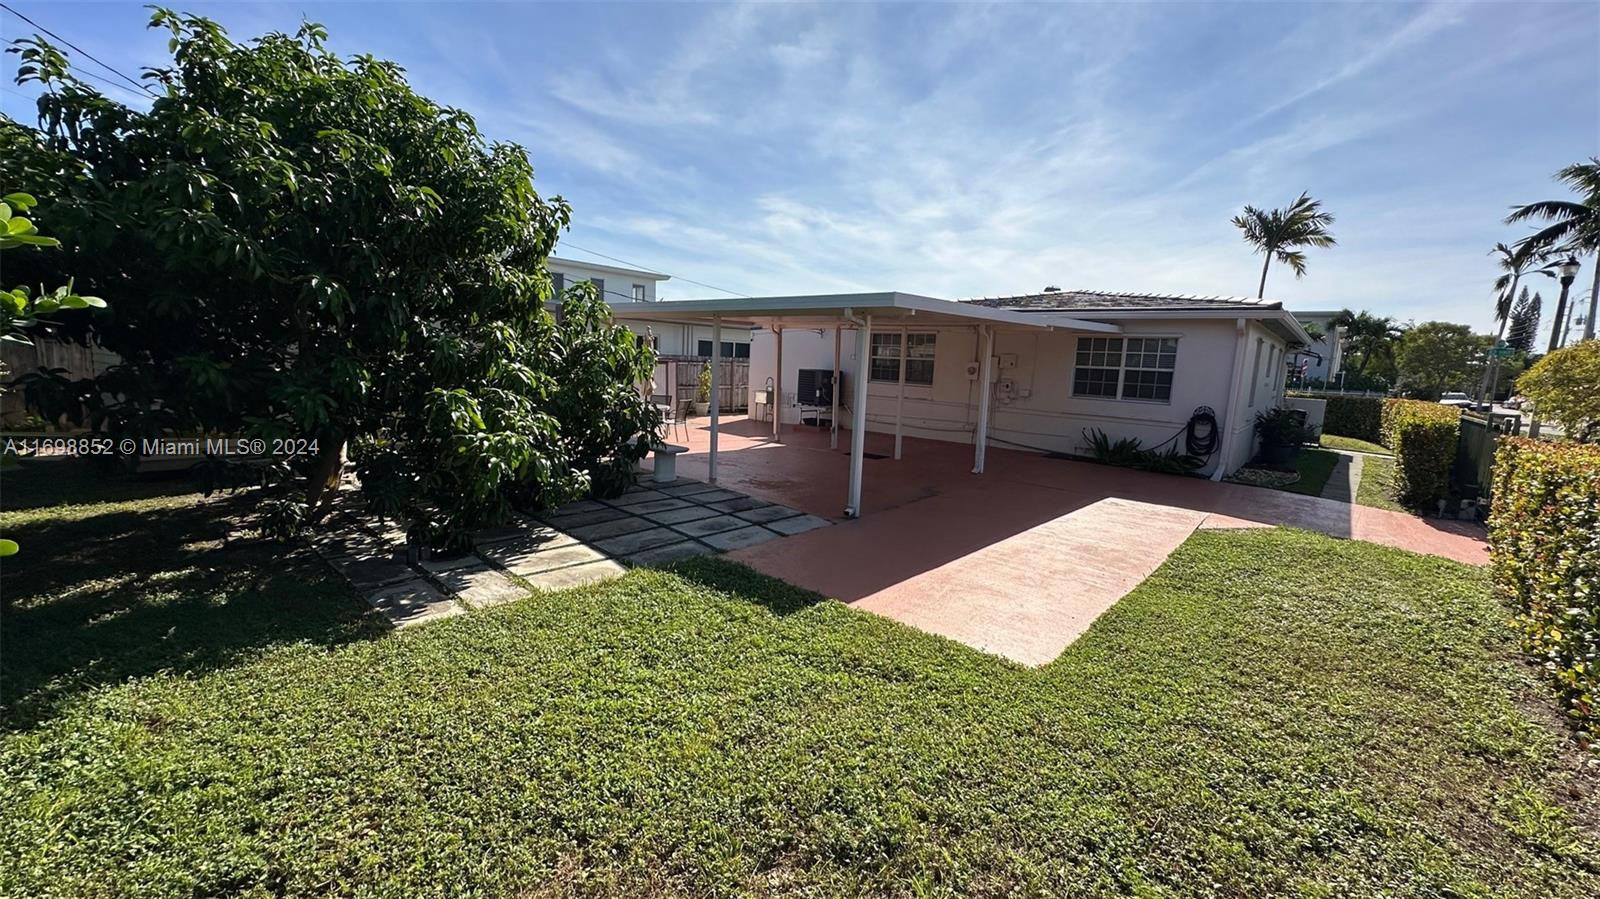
{"points": [[1493, 368], [325, 469], [1261, 292]]}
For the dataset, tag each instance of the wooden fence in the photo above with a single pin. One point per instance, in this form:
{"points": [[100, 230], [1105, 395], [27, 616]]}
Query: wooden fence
{"points": [[677, 382]]}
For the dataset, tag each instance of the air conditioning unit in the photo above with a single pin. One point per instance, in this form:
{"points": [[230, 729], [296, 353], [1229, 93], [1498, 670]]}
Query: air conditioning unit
{"points": [[815, 387]]}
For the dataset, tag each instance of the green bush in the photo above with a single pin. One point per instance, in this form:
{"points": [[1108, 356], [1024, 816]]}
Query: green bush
{"points": [[1424, 437], [1353, 416], [1544, 549]]}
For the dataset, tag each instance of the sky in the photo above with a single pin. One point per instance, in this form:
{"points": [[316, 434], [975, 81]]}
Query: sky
{"points": [[959, 150]]}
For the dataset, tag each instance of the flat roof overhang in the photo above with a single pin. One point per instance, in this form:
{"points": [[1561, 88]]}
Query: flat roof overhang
{"points": [[832, 310]]}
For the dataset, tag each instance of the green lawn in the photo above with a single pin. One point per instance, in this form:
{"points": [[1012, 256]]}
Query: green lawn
{"points": [[1377, 485], [1272, 713], [1333, 441], [1314, 467]]}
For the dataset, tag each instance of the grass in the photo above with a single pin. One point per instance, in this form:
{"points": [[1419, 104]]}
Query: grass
{"points": [[1271, 713], [1353, 444], [1377, 485], [1314, 467]]}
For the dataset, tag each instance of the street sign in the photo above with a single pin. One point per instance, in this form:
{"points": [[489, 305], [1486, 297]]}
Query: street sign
{"points": [[1501, 352]]}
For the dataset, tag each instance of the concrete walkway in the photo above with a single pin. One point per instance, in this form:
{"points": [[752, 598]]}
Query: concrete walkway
{"points": [[1345, 480], [1027, 597]]}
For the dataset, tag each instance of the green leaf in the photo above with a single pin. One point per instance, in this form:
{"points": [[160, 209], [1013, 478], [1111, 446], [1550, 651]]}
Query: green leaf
{"points": [[5, 212], [20, 200], [17, 225], [8, 548], [32, 240]]}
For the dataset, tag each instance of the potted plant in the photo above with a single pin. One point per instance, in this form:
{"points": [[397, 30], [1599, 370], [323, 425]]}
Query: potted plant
{"points": [[1282, 432], [702, 394]]}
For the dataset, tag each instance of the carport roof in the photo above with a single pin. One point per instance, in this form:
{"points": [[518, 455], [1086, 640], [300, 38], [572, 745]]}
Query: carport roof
{"points": [[829, 310]]}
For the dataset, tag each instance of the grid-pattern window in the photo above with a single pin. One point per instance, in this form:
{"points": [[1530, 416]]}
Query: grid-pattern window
{"points": [[919, 358], [883, 362], [1132, 368], [1147, 368], [1097, 367]]}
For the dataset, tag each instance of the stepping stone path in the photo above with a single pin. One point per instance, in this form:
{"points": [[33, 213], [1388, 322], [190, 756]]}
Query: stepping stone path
{"points": [[577, 544]]}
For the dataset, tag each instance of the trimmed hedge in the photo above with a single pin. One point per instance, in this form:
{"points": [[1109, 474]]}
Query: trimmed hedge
{"points": [[1544, 550], [1353, 416], [1423, 437]]}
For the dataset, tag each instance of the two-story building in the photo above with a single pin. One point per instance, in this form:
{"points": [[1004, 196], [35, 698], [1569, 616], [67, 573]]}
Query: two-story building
{"points": [[1321, 360], [631, 285]]}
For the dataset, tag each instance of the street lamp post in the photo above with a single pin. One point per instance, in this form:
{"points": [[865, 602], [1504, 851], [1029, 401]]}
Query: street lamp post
{"points": [[1566, 271]]}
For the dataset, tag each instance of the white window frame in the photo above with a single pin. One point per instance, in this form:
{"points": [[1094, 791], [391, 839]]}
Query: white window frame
{"points": [[1087, 344], [638, 293], [902, 356]]}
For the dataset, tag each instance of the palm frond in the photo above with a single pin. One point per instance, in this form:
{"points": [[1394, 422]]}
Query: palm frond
{"points": [[1295, 259], [1548, 209]]}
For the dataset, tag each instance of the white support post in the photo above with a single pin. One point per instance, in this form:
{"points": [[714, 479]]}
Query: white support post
{"points": [[900, 396], [858, 415], [777, 388], [980, 451], [716, 390], [833, 420]]}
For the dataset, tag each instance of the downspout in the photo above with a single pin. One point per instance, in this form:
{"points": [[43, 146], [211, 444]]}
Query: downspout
{"points": [[1225, 451]]}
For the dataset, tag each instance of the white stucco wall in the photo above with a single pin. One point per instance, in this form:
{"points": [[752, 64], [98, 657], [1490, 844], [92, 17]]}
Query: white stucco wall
{"points": [[619, 281], [1037, 410]]}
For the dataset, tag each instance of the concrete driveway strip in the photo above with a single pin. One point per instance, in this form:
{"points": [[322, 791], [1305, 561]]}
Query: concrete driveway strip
{"points": [[1025, 596]]}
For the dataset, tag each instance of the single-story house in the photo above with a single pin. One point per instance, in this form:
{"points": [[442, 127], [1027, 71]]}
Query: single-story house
{"points": [[1033, 372]]}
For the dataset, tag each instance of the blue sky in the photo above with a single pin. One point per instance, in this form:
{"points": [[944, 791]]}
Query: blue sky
{"points": [[962, 150]]}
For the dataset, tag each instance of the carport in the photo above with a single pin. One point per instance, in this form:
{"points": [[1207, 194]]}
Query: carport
{"points": [[860, 313]]}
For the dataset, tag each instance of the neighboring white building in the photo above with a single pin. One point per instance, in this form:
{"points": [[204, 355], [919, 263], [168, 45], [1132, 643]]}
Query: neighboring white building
{"points": [[1322, 359], [1063, 363], [624, 285]]}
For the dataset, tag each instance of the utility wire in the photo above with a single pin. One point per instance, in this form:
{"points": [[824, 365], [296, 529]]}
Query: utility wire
{"points": [[668, 274], [85, 53]]}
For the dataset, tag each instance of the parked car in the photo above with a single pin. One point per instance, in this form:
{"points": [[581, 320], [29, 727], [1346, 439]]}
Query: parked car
{"points": [[1454, 398]]}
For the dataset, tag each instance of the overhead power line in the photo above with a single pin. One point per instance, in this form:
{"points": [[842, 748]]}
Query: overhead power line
{"points": [[648, 268], [84, 53]]}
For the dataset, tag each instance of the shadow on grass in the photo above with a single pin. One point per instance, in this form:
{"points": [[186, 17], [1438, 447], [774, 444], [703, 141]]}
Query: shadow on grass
{"points": [[129, 593], [780, 597], [39, 483]]}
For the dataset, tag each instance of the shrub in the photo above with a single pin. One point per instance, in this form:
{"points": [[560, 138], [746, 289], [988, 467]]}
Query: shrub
{"points": [[1353, 416], [1544, 549], [1284, 427], [1424, 437], [1565, 387], [1128, 452]]}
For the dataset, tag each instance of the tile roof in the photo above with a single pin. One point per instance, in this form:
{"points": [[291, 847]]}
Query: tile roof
{"points": [[1103, 301]]}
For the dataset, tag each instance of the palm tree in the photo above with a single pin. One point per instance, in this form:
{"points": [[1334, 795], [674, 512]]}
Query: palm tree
{"points": [[1574, 225], [1369, 336], [1514, 263], [1281, 232]]}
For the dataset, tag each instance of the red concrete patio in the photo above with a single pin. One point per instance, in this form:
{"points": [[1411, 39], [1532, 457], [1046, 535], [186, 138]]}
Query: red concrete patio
{"points": [[1021, 559]]}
